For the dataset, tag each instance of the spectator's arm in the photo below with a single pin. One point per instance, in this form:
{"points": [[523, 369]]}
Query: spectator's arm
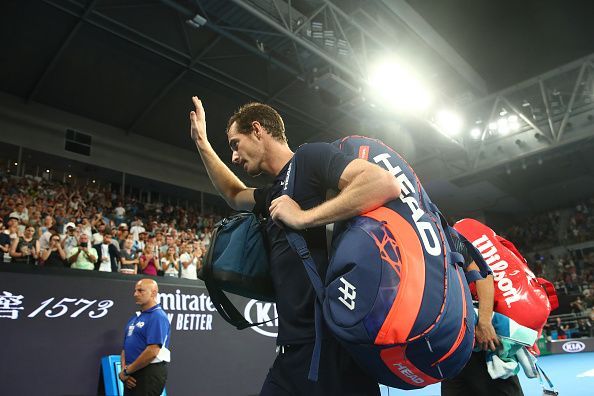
{"points": [[13, 246], [92, 258], [74, 256], [36, 250], [61, 252], [5, 248], [185, 263], [143, 262], [46, 253]]}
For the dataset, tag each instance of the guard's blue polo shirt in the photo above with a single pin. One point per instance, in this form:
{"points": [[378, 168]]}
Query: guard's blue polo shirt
{"points": [[150, 327]]}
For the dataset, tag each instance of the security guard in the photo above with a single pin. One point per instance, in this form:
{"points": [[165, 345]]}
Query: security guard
{"points": [[146, 342]]}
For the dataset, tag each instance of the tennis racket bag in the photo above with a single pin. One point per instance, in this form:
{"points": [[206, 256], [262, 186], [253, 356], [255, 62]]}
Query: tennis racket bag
{"points": [[519, 294], [395, 293]]}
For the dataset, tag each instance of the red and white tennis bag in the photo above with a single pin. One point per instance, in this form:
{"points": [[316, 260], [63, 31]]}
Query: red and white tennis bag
{"points": [[519, 294]]}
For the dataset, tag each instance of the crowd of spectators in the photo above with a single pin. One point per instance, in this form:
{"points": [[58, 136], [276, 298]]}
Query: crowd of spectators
{"points": [[581, 222], [55, 224], [571, 272], [539, 230], [547, 230]]}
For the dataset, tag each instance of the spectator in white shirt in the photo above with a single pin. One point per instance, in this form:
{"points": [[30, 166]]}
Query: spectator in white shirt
{"points": [[70, 237], [170, 263], [120, 213], [136, 229], [188, 262]]}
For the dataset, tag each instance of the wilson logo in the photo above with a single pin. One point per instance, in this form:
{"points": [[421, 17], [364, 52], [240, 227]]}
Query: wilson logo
{"points": [[499, 267], [349, 294], [573, 346]]}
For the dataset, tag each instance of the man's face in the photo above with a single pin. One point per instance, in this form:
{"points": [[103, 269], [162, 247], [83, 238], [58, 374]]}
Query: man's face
{"points": [[84, 239], [107, 239], [142, 293], [247, 150]]}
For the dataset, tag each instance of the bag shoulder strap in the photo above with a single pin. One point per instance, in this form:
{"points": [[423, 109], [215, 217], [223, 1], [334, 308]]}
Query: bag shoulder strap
{"points": [[298, 244], [473, 275]]}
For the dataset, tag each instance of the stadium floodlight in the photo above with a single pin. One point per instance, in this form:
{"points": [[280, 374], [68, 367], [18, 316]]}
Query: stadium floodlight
{"points": [[502, 126], [475, 133], [449, 122], [513, 123], [399, 87], [197, 21]]}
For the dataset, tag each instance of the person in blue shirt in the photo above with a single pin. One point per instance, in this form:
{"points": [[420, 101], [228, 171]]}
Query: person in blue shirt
{"points": [[146, 344]]}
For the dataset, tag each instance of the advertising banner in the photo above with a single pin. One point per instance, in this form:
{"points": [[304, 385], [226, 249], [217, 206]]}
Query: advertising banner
{"points": [[56, 327], [576, 345]]}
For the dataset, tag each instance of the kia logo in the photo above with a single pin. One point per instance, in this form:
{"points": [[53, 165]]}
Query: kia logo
{"points": [[573, 346], [258, 311]]}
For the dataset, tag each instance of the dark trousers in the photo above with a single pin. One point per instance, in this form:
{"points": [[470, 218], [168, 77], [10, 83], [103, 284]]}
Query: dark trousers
{"points": [[150, 381], [338, 374], [474, 380]]}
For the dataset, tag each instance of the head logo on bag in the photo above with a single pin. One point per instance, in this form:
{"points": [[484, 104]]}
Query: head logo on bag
{"points": [[258, 311]]}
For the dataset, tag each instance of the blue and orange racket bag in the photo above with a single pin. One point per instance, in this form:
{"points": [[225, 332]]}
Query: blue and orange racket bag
{"points": [[395, 293]]}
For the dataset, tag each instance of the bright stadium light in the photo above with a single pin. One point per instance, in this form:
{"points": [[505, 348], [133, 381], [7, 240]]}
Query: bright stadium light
{"points": [[448, 122], [502, 126], [475, 133], [399, 87], [513, 123]]}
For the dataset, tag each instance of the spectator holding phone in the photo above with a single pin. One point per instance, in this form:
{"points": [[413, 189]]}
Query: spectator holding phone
{"points": [[82, 256], [54, 255]]}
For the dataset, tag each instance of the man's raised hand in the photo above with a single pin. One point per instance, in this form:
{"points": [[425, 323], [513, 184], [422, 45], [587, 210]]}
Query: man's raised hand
{"points": [[197, 121]]}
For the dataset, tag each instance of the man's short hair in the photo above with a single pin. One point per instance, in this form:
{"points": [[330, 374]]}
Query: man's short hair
{"points": [[264, 114]]}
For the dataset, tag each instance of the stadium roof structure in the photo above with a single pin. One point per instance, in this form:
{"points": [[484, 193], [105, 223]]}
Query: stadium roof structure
{"points": [[135, 64]]}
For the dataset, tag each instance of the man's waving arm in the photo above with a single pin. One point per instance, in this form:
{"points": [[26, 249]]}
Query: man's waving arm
{"points": [[228, 185]]}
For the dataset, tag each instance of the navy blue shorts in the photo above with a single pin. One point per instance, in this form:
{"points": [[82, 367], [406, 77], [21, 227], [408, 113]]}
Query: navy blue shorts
{"points": [[339, 374]]}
